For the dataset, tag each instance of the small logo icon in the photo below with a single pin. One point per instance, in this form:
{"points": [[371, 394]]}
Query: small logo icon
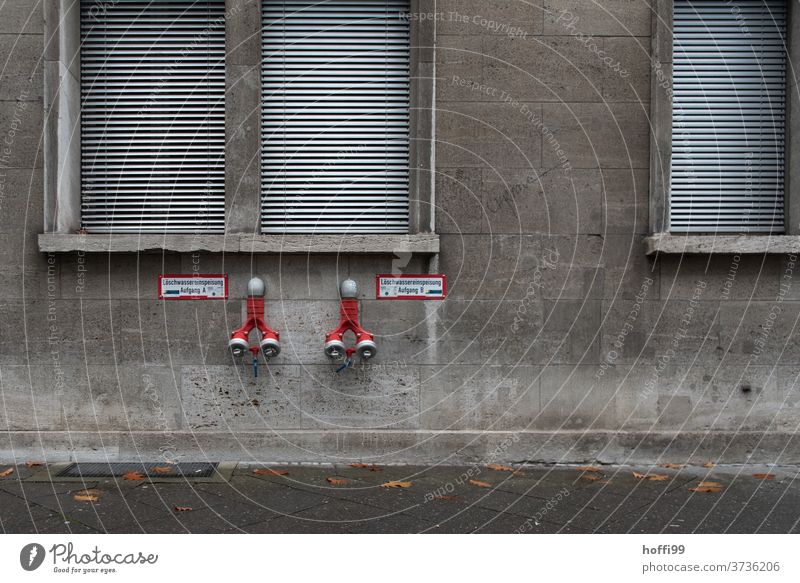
{"points": [[31, 556]]}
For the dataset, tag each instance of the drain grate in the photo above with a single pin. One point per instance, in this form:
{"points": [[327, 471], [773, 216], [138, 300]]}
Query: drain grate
{"points": [[151, 470]]}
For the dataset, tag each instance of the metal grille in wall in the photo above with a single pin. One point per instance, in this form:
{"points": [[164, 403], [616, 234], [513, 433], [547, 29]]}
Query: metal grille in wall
{"points": [[729, 114], [153, 116], [335, 116]]}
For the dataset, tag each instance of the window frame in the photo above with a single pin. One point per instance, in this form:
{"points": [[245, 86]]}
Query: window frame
{"points": [[661, 240], [62, 152]]}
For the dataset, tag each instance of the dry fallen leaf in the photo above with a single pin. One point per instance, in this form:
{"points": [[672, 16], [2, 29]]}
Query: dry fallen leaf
{"points": [[500, 468], [588, 469], [370, 467], [270, 472], [651, 477], [672, 466], [183, 509], [33, 464], [395, 484], [764, 476], [89, 492], [592, 477], [709, 465], [445, 497], [162, 470], [480, 484], [336, 481], [85, 498], [706, 489], [6, 473], [657, 477], [133, 476]]}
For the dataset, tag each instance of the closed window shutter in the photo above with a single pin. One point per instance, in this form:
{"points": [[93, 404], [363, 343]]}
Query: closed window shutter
{"points": [[335, 116], [153, 116], [729, 116]]}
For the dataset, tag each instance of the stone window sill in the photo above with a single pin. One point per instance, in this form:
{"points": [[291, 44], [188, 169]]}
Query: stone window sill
{"points": [[425, 243], [756, 244]]}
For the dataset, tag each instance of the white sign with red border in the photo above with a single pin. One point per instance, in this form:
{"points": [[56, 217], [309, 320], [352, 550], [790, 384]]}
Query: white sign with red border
{"points": [[411, 287], [194, 286]]}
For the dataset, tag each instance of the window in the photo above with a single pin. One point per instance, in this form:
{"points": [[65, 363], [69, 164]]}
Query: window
{"points": [[152, 82], [335, 116], [153, 129], [728, 116]]}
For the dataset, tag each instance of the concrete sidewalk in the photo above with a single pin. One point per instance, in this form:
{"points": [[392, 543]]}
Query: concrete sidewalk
{"points": [[344, 499]]}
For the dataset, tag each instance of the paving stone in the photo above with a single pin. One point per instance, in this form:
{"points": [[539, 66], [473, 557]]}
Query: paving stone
{"points": [[18, 516], [509, 523], [260, 498], [745, 505], [202, 521], [361, 518], [115, 511]]}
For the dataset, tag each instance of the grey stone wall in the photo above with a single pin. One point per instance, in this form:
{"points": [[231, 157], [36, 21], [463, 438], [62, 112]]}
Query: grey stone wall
{"points": [[560, 339]]}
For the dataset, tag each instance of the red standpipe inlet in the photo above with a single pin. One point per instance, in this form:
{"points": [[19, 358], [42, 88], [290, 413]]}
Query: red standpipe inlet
{"points": [[348, 322], [270, 340]]}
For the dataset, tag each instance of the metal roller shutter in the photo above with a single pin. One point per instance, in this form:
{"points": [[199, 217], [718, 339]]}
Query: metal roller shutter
{"points": [[153, 116], [335, 116], [729, 114]]}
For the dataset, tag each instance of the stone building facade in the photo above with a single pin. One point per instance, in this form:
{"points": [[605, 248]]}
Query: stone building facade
{"points": [[575, 328]]}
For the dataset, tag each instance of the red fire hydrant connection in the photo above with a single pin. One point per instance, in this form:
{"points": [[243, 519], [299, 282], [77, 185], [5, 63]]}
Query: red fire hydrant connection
{"points": [[269, 345], [335, 348]]}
